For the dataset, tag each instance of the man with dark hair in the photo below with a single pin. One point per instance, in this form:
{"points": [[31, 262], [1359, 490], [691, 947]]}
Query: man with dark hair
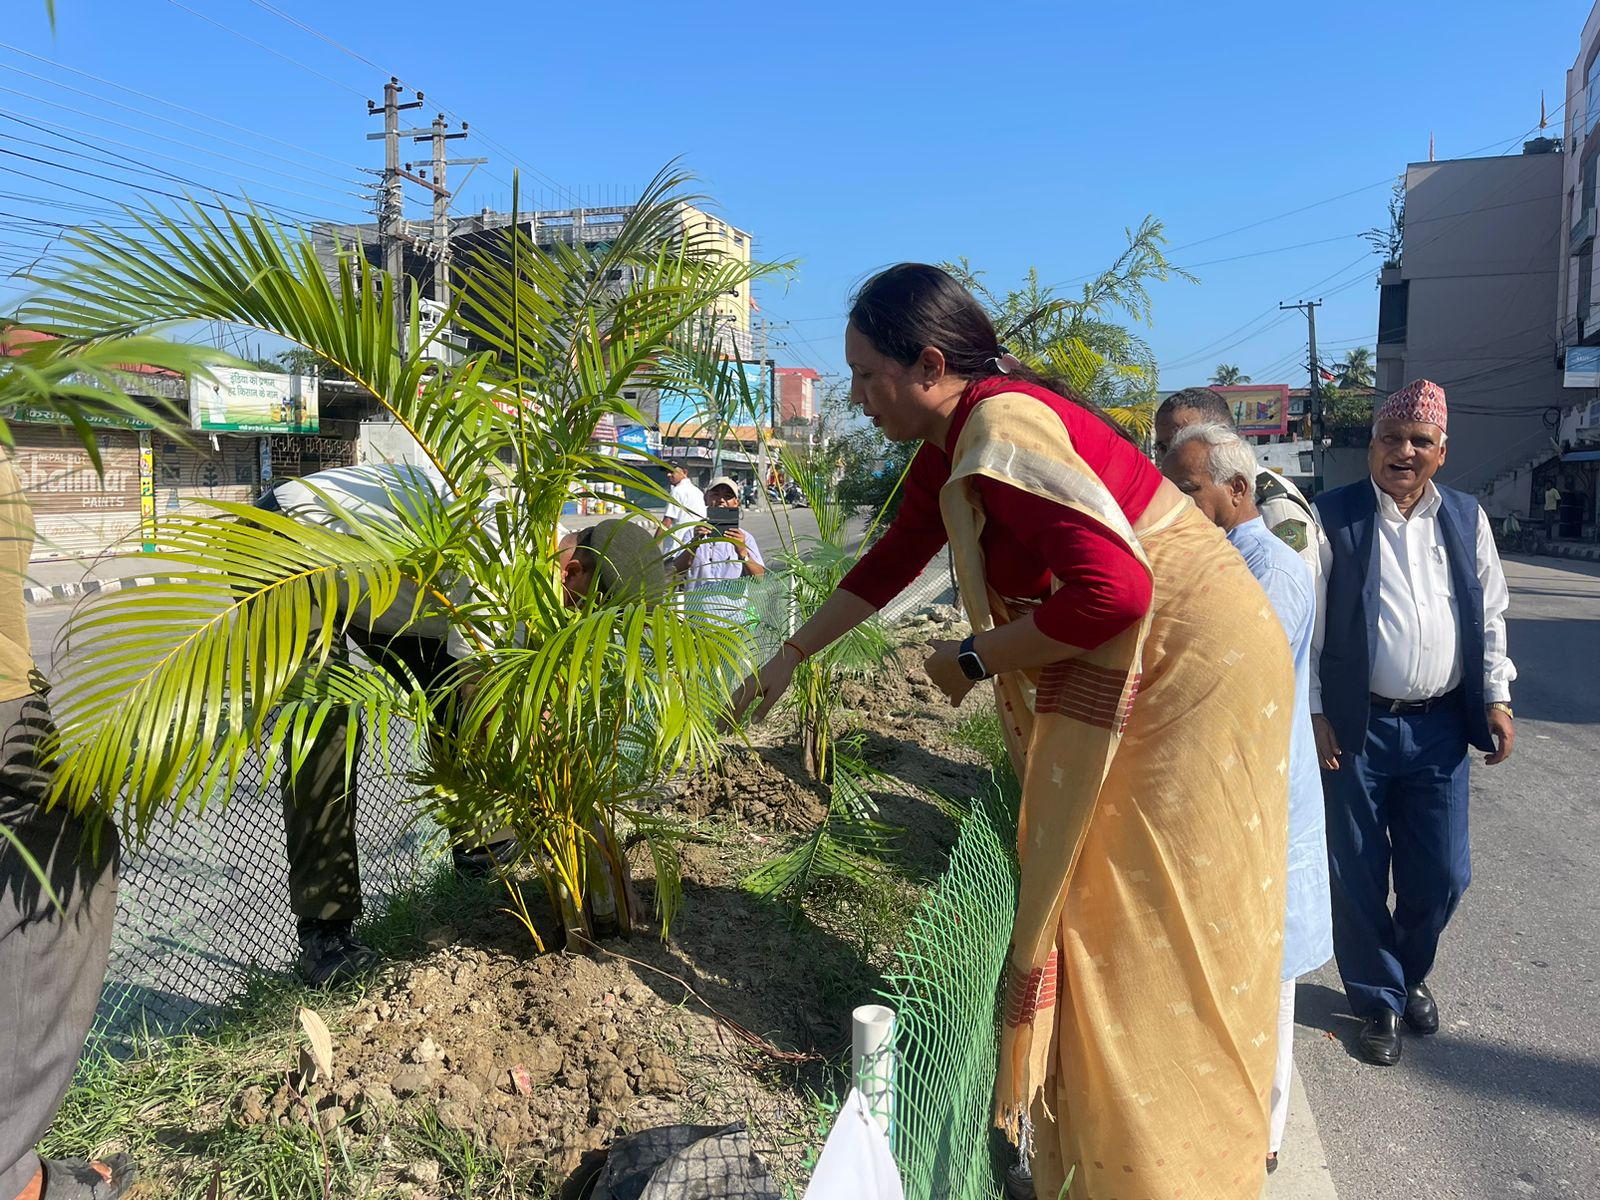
{"points": [[686, 509], [1284, 509]]}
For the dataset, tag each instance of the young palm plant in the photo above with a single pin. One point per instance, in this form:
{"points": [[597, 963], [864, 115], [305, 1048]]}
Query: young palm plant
{"points": [[559, 714], [849, 842]]}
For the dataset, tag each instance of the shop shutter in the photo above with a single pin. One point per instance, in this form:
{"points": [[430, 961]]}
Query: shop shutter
{"points": [[190, 476], [76, 511]]}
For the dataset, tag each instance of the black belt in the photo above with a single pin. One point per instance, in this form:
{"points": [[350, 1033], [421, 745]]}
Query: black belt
{"points": [[1408, 708]]}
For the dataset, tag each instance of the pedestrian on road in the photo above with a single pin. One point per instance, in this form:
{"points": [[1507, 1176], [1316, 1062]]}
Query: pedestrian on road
{"points": [[686, 509], [1137, 1048], [1216, 468], [1284, 509], [52, 960], [1410, 670], [1552, 510]]}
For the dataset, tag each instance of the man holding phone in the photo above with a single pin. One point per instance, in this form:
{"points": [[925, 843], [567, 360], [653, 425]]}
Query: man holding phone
{"points": [[721, 554]]}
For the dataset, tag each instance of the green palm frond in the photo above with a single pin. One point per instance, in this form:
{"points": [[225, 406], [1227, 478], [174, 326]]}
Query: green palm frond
{"points": [[245, 268], [173, 682], [849, 843], [80, 379]]}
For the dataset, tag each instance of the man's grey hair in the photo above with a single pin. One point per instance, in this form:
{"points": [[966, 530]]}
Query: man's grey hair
{"points": [[1230, 455]]}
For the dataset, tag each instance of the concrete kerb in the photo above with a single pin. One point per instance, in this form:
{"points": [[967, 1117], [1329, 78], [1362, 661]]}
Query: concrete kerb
{"points": [[57, 593], [1577, 550]]}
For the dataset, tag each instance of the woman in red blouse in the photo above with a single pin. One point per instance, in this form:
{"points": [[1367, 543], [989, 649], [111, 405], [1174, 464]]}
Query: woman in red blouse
{"points": [[1144, 688]]}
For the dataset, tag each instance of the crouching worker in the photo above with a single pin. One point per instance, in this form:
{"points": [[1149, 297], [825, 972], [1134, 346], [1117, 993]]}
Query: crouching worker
{"points": [[410, 642]]}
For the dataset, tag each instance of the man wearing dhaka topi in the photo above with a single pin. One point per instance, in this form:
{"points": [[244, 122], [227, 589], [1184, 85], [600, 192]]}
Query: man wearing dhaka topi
{"points": [[1409, 671]]}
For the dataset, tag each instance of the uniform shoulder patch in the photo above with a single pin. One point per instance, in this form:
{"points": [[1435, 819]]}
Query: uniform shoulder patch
{"points": [[1293, 534]]}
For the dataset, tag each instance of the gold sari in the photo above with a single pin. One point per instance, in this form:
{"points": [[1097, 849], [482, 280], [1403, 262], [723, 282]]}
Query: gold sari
{"points": [[1142, 993]]}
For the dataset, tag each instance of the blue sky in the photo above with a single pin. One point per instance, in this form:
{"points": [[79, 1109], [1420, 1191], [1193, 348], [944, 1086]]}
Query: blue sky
{"points": [[846, 136]]}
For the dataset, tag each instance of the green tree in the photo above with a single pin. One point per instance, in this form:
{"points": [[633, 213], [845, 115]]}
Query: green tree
{"points": [[558, 719], [1228, 375], [1356, 369], [1390, 240], [1083, 340]]}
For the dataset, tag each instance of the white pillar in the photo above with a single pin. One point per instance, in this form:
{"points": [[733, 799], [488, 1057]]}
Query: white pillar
{"points": [[872, 1059]]}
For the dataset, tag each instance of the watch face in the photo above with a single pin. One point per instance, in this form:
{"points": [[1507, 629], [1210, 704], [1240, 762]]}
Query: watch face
{"points": [[971, 665]]}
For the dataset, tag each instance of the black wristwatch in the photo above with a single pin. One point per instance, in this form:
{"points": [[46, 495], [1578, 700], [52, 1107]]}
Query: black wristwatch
{"points": [[969, 662]]}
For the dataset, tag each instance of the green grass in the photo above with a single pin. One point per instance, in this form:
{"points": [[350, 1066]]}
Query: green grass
{"points": [[979, 731]]}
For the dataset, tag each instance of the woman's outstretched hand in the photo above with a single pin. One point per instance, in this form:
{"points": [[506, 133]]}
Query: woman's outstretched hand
{"points": [[946, 672], [767, 685]]}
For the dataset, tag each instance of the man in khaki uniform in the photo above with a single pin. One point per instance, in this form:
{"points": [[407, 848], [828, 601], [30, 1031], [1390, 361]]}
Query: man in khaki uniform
{"points": [[52, 960]]}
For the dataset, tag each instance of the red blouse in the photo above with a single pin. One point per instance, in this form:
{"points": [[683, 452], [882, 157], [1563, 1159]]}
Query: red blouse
{"points": [[1027, 539]]}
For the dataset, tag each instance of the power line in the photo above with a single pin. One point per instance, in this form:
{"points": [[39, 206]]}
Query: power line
{"points": [[255, 133], [65, 132], [572, 198], [156, 172], [263, 46]]}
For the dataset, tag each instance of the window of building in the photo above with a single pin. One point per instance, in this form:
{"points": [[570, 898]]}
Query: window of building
{"points": [[1592, 93], [1589, 169], [1585, 284]]}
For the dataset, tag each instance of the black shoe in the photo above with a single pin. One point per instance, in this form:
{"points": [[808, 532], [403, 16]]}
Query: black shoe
{"points": [[1380, 1039], [1272, 1162], [1019, 1179], [330, 954], [1422, 1014], [479, 862]]}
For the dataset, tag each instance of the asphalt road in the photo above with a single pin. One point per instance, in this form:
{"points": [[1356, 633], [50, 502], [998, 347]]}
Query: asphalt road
{"points": [[1505, 1099]]}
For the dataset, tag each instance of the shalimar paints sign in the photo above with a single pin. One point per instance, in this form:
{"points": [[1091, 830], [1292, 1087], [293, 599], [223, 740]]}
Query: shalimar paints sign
{"points": [[237, 401]]}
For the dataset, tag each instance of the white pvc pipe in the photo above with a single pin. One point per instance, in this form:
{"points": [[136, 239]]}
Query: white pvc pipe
{"points": [[872, 1059]]}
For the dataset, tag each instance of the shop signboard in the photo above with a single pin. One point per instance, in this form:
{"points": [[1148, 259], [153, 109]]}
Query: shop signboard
{"points": [[1259, 410], [240, 401]]}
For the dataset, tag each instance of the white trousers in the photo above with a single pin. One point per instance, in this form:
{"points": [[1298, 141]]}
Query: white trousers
{"points": [[1280, 1076]]}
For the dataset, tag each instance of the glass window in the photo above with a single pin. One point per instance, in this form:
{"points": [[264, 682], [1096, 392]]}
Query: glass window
{"points": [[1590, 81]]}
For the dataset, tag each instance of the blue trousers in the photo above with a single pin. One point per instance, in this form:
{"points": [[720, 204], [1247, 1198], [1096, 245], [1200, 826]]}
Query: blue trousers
{"points": [[1400, 806]]}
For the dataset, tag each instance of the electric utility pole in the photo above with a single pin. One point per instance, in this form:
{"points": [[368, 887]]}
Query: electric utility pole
{"points": [[1309, 307], [392, 210], [441, 199]]}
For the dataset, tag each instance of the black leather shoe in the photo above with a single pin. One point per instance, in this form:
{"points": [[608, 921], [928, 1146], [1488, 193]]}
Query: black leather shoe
{"points": [[330, 953], [1422, 1014], [1380, 1039]]}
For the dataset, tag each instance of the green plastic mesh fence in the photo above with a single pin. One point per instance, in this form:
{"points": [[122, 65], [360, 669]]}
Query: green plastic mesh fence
{"points": [[944, 990], [204, 905]]}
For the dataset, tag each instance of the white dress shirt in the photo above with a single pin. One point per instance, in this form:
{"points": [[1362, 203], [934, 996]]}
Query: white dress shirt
{"points": [[687, 507], [1418, 655]]}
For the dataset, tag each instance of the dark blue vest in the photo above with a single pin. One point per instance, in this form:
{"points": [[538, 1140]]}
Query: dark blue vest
{"points": [[1349, 517]]}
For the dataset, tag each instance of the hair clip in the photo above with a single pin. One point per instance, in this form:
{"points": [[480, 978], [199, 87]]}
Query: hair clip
{"points": [[1007, 363]]}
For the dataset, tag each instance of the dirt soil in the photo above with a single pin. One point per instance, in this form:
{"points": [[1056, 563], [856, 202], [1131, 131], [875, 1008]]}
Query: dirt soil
{"points": [[547, 1057]]}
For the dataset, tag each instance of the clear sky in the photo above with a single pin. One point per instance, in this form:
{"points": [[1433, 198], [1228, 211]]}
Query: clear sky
{"points": [[844, 135]]}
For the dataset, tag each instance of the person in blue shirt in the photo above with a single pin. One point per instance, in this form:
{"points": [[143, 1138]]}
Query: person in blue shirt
{"points": [[1216, 468]]}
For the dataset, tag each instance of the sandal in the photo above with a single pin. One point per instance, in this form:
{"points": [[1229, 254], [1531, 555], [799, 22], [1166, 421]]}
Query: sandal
{"points": [[77, 1179]]}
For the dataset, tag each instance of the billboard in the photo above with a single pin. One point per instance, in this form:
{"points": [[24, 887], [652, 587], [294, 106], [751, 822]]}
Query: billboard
{"points": [[1583, 367], [239, 401], [677, 409], [1259, 409]]}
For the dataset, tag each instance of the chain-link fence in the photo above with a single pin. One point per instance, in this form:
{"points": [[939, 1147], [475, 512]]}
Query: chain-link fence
{"points": [[944, 989], [205, 904]]}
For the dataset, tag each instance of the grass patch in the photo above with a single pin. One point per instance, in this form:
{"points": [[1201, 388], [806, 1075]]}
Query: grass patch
{"points": [[979, 731]]}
